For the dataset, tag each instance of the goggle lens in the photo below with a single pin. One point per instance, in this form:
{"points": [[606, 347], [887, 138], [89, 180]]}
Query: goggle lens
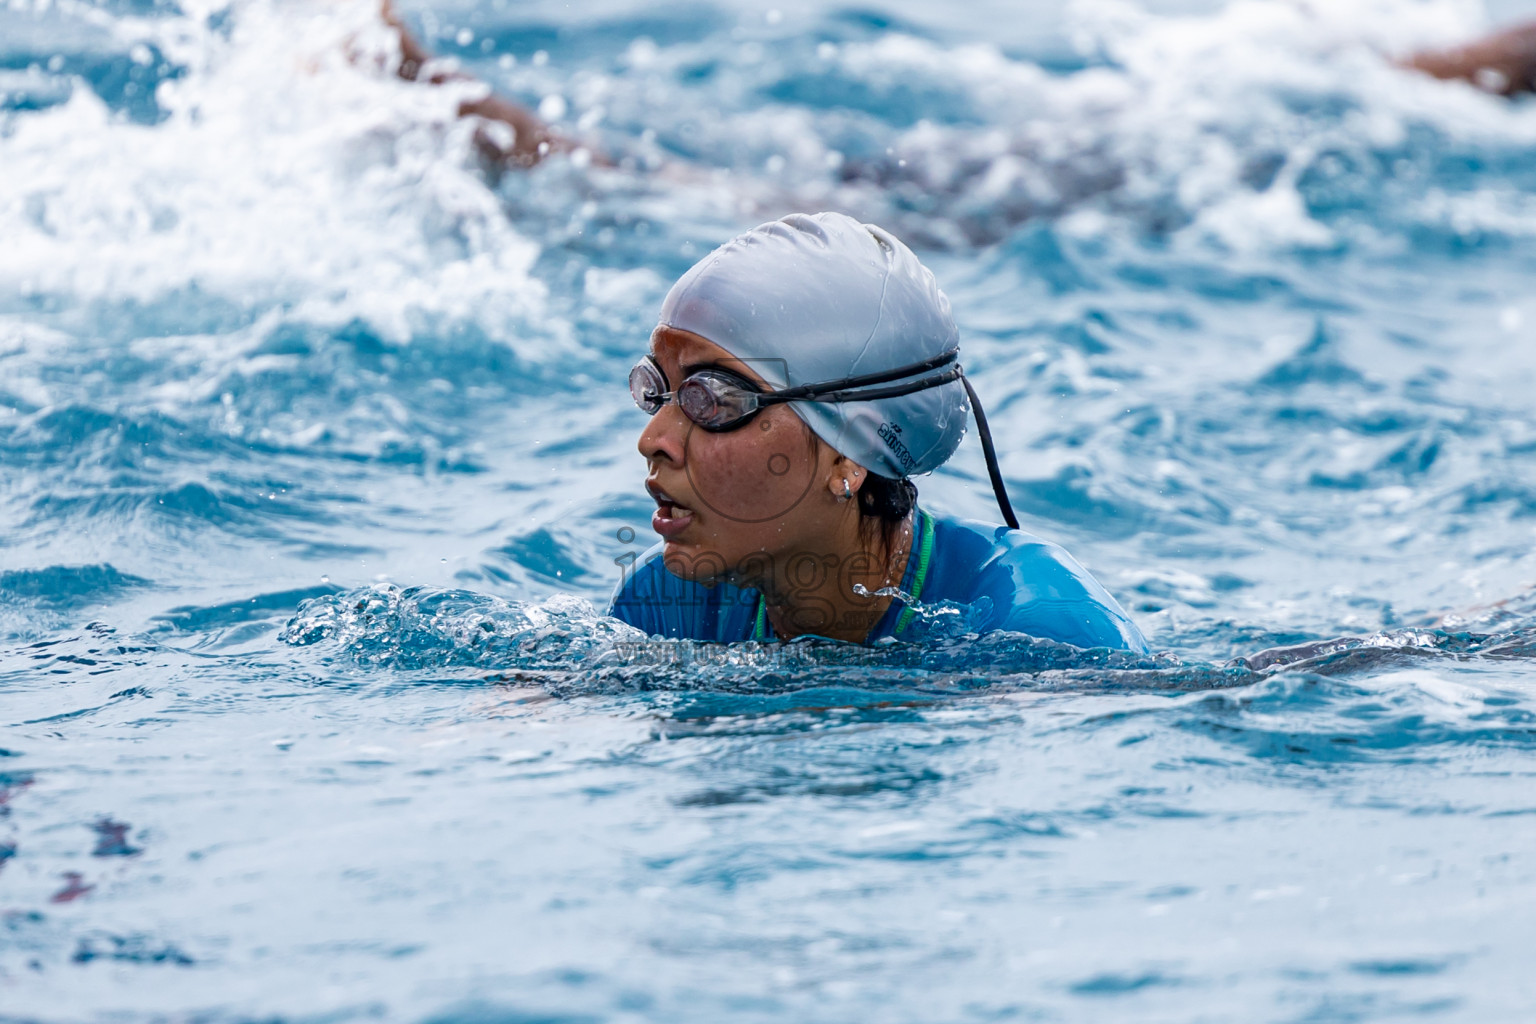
{"points": [[699, 403], [715, 403], [647, 387], [713, 399]]}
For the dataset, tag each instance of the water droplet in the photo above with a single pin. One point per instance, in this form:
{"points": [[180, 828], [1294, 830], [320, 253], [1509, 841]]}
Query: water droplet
{"points": [[552, 107]]}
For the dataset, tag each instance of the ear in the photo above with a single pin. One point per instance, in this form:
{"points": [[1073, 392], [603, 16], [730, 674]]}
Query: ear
{"points": [[844, 468]]}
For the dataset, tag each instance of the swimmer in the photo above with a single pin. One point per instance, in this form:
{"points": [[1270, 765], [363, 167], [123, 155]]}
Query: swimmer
{"points": [[799, 377]]}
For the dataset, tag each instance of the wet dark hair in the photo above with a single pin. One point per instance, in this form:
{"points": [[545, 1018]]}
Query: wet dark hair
{"points": [[883, 504]]}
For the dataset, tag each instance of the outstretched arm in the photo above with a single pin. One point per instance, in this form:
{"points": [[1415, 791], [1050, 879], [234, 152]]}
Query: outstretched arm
{"points": [[531, 139], [1503, 63]]}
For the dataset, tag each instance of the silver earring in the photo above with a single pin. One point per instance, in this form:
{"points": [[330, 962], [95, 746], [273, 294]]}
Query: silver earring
{"points": [[847, 492]]}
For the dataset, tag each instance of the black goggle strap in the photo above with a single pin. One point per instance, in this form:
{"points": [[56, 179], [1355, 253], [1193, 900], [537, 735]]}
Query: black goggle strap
{"points": [[814, 392], [995, 473], [865, 394]]}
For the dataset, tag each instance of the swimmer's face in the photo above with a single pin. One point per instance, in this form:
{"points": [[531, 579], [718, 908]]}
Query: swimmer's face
{"points": [[730, 503]]}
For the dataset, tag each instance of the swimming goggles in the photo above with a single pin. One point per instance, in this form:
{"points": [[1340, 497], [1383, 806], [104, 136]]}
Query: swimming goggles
{"points": [[720, 400]]}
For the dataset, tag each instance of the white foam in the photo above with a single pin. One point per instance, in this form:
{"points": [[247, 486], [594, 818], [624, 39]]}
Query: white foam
{"points": [[294, 171]]}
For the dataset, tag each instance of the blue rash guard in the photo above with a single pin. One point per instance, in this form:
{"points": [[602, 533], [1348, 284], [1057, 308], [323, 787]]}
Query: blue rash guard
{"points": [[1014, 580]]}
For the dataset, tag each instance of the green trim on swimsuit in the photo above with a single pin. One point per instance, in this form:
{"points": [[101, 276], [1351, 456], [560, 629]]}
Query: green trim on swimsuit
{"points": [[924, 554], [760, 620]]}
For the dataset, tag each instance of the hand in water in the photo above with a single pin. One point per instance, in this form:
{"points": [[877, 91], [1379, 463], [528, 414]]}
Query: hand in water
{"points": [[510, 134], [1502, 63]]}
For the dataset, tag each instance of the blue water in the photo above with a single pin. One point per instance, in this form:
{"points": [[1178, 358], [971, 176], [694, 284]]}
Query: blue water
{"points": [[316, 467]]}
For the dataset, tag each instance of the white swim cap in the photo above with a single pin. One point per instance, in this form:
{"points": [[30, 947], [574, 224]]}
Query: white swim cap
{"points": [[813, 298]]}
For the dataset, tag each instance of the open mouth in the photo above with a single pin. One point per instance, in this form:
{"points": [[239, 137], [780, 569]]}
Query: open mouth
{"points": [[670, 518]]}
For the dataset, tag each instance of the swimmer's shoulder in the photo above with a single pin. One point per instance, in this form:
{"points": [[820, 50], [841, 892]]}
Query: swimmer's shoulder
{"points": [[1033, 585], [658, 603]]}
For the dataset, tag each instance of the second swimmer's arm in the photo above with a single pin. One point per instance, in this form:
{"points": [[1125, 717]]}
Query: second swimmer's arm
{"points": [[531, 139], [1503, 63]]}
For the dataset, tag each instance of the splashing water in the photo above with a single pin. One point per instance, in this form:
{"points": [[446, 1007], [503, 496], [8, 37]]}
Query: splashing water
{"points": [[318, 469], [283, 169]]}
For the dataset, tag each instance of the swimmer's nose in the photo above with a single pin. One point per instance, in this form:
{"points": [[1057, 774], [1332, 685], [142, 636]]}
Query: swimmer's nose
{"points": [[664, 438]]}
